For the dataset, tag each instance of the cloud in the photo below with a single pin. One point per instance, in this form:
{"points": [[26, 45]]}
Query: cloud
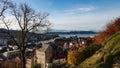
{"points": [[79, 10], [88, 21], [11, 22], [86, 9]]}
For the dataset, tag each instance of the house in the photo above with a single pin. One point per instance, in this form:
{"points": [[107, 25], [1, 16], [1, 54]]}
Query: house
{"points": [[60, 41], [2, 59], [44, 55], [3, 45], [12, 63], [15, 58], [3, 41]]}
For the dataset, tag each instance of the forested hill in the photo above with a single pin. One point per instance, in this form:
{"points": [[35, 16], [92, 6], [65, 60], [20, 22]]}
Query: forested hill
{"points": [[75, 32], [41, 36]]}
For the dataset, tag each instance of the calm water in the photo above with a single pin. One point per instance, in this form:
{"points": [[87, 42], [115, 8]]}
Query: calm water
{"points": [[67, 36], [78, 35]]}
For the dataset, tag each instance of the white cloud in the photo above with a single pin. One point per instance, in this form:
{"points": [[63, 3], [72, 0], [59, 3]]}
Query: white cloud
{"points": [[87, 21], [79, 10], [11, 22], [85, 9]]}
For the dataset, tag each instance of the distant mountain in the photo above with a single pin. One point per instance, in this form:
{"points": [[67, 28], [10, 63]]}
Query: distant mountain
{"points": [[75, 32], [41, 36], [3, 32], [59, 31]]}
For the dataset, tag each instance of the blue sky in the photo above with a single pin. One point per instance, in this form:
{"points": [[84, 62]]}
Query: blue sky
{"points": [[77, 14]]}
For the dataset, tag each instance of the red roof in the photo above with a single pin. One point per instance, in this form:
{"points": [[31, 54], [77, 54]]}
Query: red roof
{"points": [[60, 56]]}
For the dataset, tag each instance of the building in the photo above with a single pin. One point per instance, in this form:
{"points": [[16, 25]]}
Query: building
{"points": [[44, 55], [3, 45], [3, 41], [13, 58]]}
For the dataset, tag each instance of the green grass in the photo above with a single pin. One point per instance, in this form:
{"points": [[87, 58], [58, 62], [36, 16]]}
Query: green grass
{"points": [[105, 56]]}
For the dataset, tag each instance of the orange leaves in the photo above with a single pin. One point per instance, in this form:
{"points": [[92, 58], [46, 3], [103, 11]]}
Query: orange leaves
{"points": [[73, 57], [111, 29]]}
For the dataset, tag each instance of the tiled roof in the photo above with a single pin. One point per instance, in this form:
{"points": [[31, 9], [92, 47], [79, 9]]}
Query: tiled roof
{"points": [[44, 47]]}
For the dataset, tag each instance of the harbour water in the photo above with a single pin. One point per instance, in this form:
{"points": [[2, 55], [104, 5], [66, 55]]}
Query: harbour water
{"points": [[67, 36], [78, 35]]}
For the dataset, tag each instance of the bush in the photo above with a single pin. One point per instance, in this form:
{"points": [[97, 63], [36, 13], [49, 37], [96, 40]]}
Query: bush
{"points": [[78, 56], [54, 65], [73, 57], [100, 65], [87, 51], [73, 66], [38, 65], [67, 66]]}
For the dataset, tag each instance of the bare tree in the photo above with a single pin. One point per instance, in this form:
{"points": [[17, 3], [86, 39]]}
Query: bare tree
{"points": [[4, 5], [26, 19]]}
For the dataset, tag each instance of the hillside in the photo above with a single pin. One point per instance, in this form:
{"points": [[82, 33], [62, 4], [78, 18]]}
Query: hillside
{"points": [[107, 57]]}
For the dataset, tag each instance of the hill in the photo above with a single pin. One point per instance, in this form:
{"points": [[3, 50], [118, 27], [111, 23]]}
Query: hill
{"points": [[75, 32], [40, 36], [107, 57]]}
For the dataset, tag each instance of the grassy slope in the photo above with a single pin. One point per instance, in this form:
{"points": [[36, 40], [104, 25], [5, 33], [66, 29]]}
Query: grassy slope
{"points": [[105, 57]]}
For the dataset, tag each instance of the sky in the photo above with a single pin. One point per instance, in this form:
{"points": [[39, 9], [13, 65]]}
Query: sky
{"points": [[77, 14]]}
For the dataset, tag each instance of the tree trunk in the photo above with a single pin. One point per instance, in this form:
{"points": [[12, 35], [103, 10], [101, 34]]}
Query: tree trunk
{"points": [[23, 60]]}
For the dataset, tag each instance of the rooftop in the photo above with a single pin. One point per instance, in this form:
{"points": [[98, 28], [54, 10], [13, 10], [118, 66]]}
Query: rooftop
{"points": [[44, 47]]}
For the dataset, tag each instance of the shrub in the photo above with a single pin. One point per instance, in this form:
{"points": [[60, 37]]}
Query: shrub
{"points": [[73, 66], [37, 65], [73, 57], [77, 56], [54, 65], [87, 51]]}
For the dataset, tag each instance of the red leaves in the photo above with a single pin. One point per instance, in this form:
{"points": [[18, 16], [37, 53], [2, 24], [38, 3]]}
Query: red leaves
{"points": [[111, 29]]}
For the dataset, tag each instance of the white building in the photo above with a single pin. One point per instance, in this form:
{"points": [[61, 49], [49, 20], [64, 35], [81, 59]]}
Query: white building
{"points": [[44, 55]]}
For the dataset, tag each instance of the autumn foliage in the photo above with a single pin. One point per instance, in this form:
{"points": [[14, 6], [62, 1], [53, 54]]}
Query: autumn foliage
{"points": [[73, 57], [76, 57], [110, 29]]}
